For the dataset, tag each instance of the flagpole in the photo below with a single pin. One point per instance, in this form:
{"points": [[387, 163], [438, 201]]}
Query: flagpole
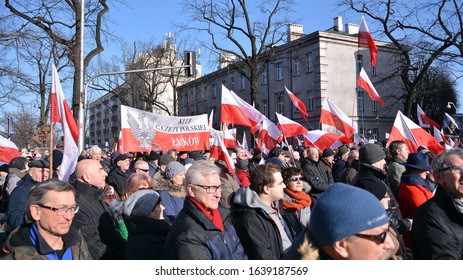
{"points": [[287, 144], [50, 157]]}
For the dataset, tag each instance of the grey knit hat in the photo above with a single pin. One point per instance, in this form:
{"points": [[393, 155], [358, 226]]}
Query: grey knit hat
{"points": [[173, 169], [342, 211], [371, 153], [141, 203]]}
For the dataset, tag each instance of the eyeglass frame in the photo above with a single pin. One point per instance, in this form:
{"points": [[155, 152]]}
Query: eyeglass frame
{"points": [[452, 168], [144, 170], [207, 188], [56, 210], [375, 238]]}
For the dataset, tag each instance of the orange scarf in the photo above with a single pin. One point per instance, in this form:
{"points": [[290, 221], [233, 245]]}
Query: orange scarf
{"points": [[215, 218], [303, 200]]}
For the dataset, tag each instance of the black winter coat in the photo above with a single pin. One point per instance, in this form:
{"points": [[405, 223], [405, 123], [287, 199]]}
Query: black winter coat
{"points": [[147, 238], [438, 229], [318, 175], [194, 237], [97, 226], [117, 179]]}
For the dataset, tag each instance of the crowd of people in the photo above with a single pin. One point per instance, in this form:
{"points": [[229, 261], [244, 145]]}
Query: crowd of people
{"points": [[371, 201]]}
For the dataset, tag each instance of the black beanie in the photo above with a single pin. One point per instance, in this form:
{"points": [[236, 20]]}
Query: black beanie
{"points": [[371, 153]]}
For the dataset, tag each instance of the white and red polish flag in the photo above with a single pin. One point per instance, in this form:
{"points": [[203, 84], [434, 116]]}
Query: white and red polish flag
{"points": [[211, 119], [289, 127], [8, 150], [332, 115], [423, 120], [269, 135], [440, 137], [365, 40], [298, 104], [299, 142], [414, 136], [120, 144], [246, 146], [229, 137], [235, 110], [60, 113], [219, 151], [322, 139], [364, 82]]}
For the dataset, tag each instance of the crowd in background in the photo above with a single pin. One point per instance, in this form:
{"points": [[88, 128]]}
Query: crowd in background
{"points": [[365, 201]]}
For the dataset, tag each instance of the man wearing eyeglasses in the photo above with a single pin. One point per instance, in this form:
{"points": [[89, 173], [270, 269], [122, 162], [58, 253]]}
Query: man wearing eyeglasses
{"points": [[347, 223], [203, 229], [47, 233], [94, 219], [141, 166], [437, 231]]}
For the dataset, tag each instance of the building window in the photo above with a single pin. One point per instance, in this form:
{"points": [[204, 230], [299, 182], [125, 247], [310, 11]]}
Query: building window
{"points": [[279, 105], [297, 68], [310, 62], [214, 91], [232, 86], [310, 102], [265, 107], [374, 106], [242, 82], [263, 77], [359, 62], [360, 98], [279, 67]]}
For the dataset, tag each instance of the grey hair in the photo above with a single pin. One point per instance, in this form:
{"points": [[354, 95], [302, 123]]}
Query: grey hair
{"points": [[198, 170], [94, 148], [37, 193], [439, 161]]}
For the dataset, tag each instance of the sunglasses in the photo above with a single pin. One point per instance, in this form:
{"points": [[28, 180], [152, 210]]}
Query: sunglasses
{"points": [[378, 239], [294, 179]]}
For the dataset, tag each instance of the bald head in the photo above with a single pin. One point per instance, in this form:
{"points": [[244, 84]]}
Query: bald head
{"points": [[90, 171]]}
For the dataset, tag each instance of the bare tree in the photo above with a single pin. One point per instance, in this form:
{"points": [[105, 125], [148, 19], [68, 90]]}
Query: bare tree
{"points": [[25, 125], [248, 31], [423, 32], [61, 22]]}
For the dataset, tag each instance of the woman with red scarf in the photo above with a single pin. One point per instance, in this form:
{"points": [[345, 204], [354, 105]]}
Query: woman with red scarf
{"points": [[296, 203]]}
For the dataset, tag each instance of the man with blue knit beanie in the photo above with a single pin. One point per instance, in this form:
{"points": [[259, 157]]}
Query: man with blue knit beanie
{"points": [[347, 223]]}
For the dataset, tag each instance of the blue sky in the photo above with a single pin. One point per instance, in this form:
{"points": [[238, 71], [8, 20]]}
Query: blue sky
{"points": [[142, 20]]}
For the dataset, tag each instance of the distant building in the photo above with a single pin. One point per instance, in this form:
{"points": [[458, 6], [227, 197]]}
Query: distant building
{"points": [[145, 91], [314, 66]]}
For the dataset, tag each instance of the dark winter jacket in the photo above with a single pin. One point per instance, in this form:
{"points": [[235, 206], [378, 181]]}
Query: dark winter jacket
{"points": [[117, 179], [258, 231], [19, 246], [339, 170], [318, 175], [194, 237], [97, 226], [438, 228], [172, 196], [17, 202], [147, 238]]}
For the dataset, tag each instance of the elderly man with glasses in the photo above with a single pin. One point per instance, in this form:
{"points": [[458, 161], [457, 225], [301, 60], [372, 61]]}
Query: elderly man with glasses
{"points": [[203, 229], [47, 233], [437, 231]]}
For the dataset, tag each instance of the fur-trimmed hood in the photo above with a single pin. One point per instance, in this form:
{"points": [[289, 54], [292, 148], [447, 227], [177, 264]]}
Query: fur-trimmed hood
{"points": [[160, 184]]}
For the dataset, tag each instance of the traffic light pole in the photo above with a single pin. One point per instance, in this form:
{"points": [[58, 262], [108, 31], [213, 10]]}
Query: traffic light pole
{"points": [[84, 93]]}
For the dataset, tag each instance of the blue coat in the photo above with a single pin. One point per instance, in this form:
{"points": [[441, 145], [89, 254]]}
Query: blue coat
{"points": [[17, 202]]}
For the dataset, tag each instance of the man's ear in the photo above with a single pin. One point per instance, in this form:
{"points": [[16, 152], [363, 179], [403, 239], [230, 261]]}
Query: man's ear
{"points": [[438, 178], [190, 190], [35, 212], [340, 249]]}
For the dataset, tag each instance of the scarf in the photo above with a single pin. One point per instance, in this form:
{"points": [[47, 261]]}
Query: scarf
{"points": [[414, 179], [214, 216], [302, 200]]}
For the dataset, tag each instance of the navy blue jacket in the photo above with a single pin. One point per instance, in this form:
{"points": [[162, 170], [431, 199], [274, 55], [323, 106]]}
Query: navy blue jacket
{"points": [[17, 202]]}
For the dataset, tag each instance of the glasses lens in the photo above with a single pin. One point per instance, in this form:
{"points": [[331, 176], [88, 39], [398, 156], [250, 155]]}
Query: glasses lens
{"points": [[294, 179]]}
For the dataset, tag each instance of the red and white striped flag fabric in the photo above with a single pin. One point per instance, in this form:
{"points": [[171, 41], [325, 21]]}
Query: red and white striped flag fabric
{"points": [[365, 40], [8, 150], [298, 104], [269, 135], [322, 140], [211, 118], [332, 115], [120, 144], [414, 136], [289, 127], [423, 120], [219, 151], [440, 137], [364, 82], [60, 112], [299, 142], [229, 137], [246, 146], [235, 110]]}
